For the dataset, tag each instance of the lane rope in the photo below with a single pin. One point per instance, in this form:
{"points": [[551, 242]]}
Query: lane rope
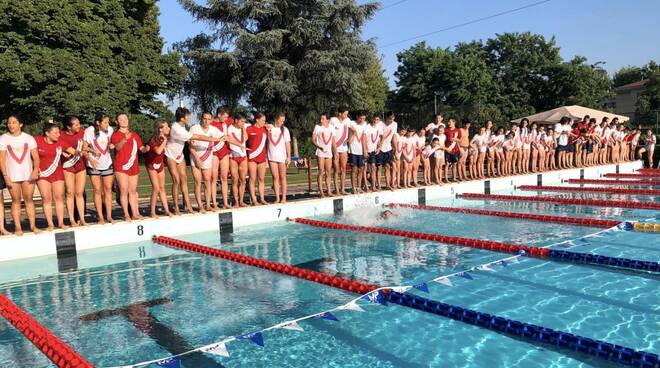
{"points": [[571, 201], [546, 188]]}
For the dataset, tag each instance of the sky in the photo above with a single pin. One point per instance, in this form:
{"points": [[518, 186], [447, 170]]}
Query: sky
{"points": [[619, 33]]}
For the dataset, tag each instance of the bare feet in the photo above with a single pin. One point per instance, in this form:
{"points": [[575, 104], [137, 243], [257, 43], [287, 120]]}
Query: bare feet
{"points": [[128, 219], [63, 227], [138, 217], [242, 204], [49, 228], [35, 230], [227, 205], [155, 216], [263, 201], [19, 232], [112, 221], [4, 231]]}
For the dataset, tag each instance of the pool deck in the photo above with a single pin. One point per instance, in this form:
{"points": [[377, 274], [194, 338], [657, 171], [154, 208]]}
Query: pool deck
{"points": [[62, 244]]}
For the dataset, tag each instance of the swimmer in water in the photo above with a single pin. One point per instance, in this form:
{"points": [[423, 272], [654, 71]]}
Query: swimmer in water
{"points": [[387, 214]]}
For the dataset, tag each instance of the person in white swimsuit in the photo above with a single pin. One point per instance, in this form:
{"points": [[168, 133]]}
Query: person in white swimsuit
{"points": [[279, 155], [19, 163], [201, 159]]}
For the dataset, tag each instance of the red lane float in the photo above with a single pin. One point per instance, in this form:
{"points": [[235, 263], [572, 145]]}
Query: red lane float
{"points": [[545, 188], [61, 354], [455, 240], [516, 215], [648, 170], [613, 182], [320, 278], [574, 201], [649, 176]]}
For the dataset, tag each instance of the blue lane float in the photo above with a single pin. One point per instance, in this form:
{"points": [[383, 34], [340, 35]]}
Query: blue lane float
{"points": [[595, 259], [538, 334]]}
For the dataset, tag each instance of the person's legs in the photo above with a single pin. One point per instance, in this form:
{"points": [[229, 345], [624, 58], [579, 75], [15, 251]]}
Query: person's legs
{"points": [[3, 231], [183, 182], [122, 181], [58, 196], [233, 165], [45, 188], [388, 175], [16, 192], [327, 162], [284, 185], [28, 197], [176, 183], [275, 173], [252, 172], [207, 176], [107, 196], [162, 193], [242, 172], [224, 181], [261, 178], [133, 199], [215, 173], [97, 188], [197, 180], [343, 161], [70, 184], [319, 177], [81, 181], [155, 192]]}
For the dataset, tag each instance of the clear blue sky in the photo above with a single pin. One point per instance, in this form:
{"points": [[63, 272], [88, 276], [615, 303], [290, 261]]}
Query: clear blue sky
{"points": [[617, 32]]}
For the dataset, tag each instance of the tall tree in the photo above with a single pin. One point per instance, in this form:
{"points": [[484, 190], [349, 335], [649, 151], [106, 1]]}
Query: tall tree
{"points": [[299, 57], [627, 75], [373, 88], [648, 105], [82, 56]]}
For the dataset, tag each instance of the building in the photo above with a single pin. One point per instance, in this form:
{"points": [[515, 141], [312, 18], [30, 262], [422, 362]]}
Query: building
{"points": [[626, 97]]}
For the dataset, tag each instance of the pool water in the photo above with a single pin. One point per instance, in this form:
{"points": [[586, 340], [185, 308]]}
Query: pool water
{"points": [[148, 302]]}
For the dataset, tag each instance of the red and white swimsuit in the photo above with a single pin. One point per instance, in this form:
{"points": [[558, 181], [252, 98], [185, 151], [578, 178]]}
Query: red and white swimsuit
{"points": [[75, 163], [18, 160], [153, 160], [324, 139], [236, 153], [50, 159], [101, 142], [203, 149], [220, 149], [256, 143], [277, 140], [126, 158]]}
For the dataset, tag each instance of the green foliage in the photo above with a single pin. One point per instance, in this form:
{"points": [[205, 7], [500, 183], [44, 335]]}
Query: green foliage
{"points": [[648, 105], [299, 57], [511, 75], [82, 56], [373, 88], [627, 75]]}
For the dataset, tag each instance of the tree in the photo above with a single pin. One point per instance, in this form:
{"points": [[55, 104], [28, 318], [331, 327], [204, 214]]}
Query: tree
{"points": [[83, 56], [373, 88], [511, 75], [627, 75], [299, 57], [648, 105]]}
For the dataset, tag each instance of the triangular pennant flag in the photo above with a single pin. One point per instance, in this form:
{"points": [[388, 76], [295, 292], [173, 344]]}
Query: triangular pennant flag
{"points": [[353, 306], [503, 263], [444, 281], [423, 287], [521, 252], [174, 362], [293, 326], [400, 289], [465, 275], [217, 349], [255, 337], [486, 268], [376, 297], [327, 315]]}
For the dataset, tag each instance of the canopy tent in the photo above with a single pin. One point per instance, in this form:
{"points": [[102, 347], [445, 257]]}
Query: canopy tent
{"points": [[574, 112]]}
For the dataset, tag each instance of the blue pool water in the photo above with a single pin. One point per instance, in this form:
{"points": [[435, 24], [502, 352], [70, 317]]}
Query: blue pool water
{"points": [[143, 301]]}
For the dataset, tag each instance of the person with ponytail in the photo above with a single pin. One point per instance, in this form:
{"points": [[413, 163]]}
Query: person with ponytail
{"points": [[201, 159], [75, 176], [99, 165], [154, 162], [279, 156], [52, 151]]}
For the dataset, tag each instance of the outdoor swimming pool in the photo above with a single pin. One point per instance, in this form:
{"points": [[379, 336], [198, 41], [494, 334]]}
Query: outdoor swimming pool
{"points": [[140, 302]]}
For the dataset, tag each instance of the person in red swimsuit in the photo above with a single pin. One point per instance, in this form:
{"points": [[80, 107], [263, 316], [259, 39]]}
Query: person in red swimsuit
{"points": [[221, 158], [154, 160], [51, 175], [256, 146], [75, 175], [126, 145]]}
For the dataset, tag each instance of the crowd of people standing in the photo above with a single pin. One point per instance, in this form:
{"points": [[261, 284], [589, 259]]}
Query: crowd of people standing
{"points": [[374, 152], [377, 149], [61, 160]]}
